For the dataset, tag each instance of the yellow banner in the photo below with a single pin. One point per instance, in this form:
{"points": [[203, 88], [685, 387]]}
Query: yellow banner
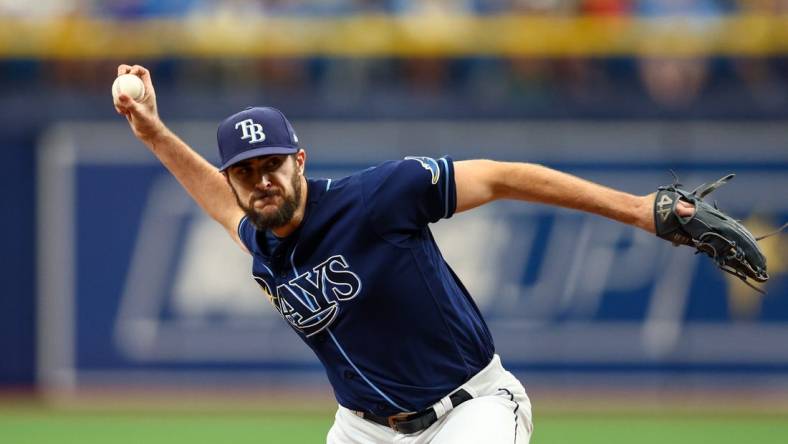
{"points": [[385, 35]]}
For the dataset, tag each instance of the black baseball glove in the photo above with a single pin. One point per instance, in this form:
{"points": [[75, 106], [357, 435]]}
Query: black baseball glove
{"points": [[732, 247]]}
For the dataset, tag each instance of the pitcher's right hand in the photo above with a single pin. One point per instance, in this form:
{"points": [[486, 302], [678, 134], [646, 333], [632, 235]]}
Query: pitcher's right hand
{"points": [[142, 115]]}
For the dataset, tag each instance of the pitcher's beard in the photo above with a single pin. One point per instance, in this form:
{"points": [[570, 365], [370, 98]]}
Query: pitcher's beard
{"points": [[283, 214]]}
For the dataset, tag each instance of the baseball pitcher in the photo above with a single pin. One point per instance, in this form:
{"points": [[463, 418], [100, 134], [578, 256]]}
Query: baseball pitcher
{"points": [[352, 267]]}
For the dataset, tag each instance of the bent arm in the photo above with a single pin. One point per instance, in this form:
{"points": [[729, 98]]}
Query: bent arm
{"points": [[482, 181], [204, 183]]}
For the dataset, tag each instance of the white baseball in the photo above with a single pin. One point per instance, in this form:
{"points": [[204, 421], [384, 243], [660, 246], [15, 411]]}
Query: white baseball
{"points": [[130, 85]]}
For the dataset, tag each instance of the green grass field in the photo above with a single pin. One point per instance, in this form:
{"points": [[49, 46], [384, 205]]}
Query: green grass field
{"points": [[30, 425]]}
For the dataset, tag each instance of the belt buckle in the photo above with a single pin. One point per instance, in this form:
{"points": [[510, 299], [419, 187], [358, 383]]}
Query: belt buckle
{"points": [[393, 419]]}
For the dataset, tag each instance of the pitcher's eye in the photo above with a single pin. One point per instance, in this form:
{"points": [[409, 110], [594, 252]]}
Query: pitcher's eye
{"points": [[273, 164]]}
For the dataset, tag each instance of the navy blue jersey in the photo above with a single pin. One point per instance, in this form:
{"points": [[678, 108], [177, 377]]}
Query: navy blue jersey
{"points": [[364, 284]]}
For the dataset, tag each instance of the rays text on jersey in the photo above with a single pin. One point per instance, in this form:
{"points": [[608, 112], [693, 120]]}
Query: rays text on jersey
{"points": [[310, 301]]}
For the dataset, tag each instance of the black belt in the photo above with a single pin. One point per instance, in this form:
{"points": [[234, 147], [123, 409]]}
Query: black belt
{"points": [[408, 423]]}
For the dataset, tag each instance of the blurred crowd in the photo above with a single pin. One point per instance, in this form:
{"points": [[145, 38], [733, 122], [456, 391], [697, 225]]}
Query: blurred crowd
{"points": [[183, 8], [517, 86], [531, 83]]}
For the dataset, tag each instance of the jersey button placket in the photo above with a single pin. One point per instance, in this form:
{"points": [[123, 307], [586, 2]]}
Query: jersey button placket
{"points": [[282, 271]]}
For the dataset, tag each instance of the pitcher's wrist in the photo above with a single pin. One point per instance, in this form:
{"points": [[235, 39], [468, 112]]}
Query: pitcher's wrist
{"points": [[645, 213], [157, 135]]}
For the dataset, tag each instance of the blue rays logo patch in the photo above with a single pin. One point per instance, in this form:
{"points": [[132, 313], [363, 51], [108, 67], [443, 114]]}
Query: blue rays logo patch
{"points": [[430, 165]]}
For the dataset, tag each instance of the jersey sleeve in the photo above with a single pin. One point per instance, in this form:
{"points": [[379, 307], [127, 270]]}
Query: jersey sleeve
{"points": [[410, 193], [247, 234]]}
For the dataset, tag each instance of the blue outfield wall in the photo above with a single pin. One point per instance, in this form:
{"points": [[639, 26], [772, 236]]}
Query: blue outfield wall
{"points": [[140, 287], [37, 94], [17, 293]]}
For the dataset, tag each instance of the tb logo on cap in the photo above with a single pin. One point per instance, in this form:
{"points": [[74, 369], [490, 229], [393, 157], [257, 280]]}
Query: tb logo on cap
{"points": [[251, 130]]}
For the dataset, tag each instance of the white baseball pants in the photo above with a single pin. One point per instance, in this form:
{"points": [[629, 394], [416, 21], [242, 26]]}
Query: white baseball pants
{"points": [[500, 412]]}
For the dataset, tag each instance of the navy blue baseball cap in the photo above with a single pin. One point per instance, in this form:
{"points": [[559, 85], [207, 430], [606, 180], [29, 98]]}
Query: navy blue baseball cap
{"points": [[253, 132]]}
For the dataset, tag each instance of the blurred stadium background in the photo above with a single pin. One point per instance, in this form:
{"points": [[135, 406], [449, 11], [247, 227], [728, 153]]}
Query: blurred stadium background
{"points": [[127, 317]]}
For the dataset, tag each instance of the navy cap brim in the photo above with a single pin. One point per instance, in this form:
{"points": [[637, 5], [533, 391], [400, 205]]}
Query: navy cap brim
{"points": [[257, 152]]}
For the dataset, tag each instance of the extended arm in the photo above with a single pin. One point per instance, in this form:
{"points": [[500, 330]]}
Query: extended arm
{"points": [[206, 185], [482, 181]]}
